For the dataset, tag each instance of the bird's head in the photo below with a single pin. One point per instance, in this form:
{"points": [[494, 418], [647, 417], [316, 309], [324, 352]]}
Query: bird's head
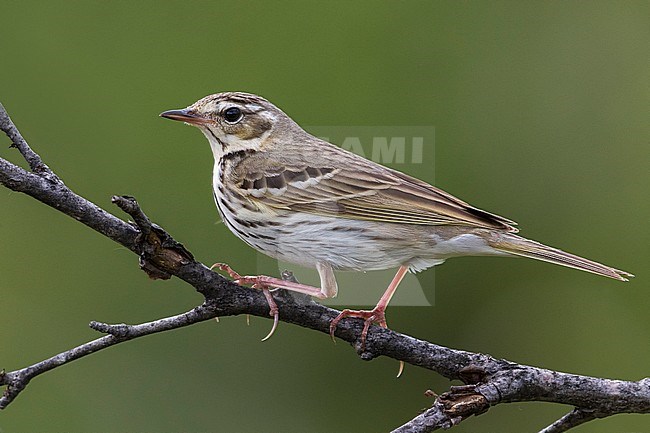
{"points": [[233, 121]]}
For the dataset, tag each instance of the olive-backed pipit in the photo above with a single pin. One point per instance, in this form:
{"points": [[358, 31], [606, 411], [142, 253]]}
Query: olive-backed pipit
{"points": [[300, 199]]}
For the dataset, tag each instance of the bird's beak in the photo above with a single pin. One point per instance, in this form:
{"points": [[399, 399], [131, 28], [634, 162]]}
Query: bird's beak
{"points": [[186, 116]]}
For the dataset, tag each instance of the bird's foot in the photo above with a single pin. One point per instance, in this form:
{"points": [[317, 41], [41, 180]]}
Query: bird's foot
{"points": [[376, 315], [273, 307]]}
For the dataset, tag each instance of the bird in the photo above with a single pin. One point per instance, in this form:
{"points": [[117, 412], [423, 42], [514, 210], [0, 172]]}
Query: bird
{"points": [[303, 200]]}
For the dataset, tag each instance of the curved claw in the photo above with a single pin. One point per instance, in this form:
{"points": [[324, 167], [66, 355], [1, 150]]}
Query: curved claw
{"points": [[345, 313], [401, 369], [224, 267], [333, 324], [273, 310], [366, 325], [276, 318]]}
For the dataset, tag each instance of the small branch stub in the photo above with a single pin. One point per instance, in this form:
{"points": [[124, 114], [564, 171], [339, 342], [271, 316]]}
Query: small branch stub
{"points": [[159, 252], [463, 401]]}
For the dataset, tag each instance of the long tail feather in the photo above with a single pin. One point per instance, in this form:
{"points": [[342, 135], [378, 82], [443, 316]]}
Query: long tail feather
{"points": [[519, 246]]}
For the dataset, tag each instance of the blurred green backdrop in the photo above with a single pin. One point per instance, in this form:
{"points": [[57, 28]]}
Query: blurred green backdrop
{"points": [[541, 114]]}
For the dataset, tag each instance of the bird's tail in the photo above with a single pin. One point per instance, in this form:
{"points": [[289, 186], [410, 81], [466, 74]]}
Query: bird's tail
{"points": [[513, 244]]}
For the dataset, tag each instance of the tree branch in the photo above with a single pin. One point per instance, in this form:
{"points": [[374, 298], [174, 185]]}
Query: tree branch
{"points": [[572, 419], [16, 381], [35, 162], [489, 381]]}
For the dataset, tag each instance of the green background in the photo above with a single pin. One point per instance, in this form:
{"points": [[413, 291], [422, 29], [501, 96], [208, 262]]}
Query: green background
{"points": [[541, 114]]}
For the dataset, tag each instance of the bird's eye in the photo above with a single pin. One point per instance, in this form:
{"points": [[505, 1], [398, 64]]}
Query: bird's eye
{"points": [[232, 115]]}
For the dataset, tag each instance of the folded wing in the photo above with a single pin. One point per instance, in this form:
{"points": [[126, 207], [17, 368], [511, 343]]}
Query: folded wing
{"points": [[349, 186]]}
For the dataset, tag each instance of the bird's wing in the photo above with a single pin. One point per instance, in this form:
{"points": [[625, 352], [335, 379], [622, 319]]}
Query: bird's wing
{"points": [[348, 186]]}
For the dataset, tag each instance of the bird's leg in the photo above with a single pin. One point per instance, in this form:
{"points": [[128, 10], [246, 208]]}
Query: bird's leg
{"points": [[263, 280], [376, 315], [264, 283]]}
